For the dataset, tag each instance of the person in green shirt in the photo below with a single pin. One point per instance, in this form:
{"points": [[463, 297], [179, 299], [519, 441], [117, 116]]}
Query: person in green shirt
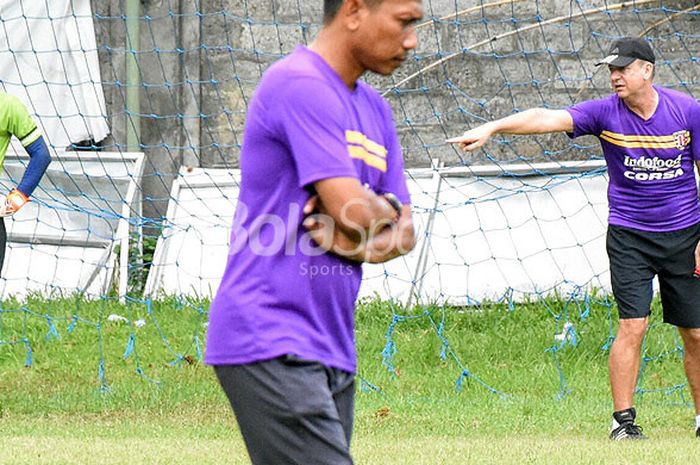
{"points": [[16, 121]]}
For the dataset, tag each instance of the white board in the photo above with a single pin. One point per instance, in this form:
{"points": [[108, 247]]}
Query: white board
{"points": [[496, 236], [65, 240], [48, 59], [191, 253], [497, 231]]}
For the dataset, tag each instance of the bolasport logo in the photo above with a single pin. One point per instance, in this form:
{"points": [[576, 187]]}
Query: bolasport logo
{"points": [[653, 168], [268, 234]]}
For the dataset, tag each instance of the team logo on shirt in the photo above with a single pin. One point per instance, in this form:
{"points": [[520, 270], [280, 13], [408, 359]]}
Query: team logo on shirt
{"points": [[682, 139], [653, 163], [653, 168]]}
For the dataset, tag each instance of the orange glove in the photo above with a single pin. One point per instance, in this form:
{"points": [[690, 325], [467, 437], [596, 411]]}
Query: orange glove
{"points": [[12, 203]]}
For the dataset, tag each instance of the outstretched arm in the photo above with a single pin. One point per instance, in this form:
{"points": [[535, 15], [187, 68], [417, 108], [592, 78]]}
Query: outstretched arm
{"points": [[532, 121]]}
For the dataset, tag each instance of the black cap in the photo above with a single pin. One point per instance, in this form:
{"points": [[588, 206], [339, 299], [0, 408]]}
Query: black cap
{"points": [[624, 51]]}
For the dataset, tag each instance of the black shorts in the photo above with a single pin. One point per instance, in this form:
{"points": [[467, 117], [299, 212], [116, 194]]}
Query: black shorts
{"points": [[637, 256]]}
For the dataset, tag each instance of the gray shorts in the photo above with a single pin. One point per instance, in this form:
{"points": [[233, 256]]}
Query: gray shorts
{"points": [[292, 411]]}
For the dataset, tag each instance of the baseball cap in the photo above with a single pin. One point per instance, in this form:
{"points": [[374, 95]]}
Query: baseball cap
{"points": [[624, 51]]}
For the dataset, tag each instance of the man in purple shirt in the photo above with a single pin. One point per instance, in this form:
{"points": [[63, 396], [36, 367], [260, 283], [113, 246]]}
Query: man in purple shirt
{"points": [[322, 191], [651, 140]]}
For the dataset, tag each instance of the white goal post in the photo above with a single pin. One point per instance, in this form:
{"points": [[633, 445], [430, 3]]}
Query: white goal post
{"points": [[483, 232], [66, 240]]}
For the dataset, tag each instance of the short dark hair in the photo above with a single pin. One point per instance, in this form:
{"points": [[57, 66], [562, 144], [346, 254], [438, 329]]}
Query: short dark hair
{"points": [[331, 8]]}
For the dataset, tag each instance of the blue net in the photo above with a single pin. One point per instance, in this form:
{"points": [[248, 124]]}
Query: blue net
{"points": [[144, 106]]}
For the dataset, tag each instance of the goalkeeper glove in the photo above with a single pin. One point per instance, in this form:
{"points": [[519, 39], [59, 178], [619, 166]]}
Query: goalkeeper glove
{"points": [[12, 203]]}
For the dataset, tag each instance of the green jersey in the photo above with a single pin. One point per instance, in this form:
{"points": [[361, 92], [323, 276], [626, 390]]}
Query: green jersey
{"points": [[15, 121]]}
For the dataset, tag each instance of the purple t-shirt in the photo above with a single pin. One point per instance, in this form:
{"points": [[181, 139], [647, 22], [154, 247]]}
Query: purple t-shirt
{"points": [[650, 163], [279, 294]]}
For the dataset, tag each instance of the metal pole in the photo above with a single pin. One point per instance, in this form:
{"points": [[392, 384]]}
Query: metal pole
{"points": [[419, 274], [133, 84]]}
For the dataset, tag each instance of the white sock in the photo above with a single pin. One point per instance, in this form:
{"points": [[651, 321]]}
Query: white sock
{"points": [[697, 421], [615, 424]]}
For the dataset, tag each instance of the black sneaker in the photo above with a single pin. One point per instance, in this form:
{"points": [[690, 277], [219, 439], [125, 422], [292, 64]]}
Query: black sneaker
{"points": [[697, 433], [629, 431], [627, 428]]}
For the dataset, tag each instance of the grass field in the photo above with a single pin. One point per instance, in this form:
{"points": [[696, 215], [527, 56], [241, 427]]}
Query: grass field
{"points": [[145, 409]]}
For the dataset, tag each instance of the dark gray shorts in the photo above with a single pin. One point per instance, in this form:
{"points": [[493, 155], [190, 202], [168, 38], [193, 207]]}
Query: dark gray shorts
{"points": [[637, 256], [292, 411]]}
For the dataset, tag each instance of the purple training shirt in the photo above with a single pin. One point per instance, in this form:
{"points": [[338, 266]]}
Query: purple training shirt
{"points": [[280, 294], [650, 163]]}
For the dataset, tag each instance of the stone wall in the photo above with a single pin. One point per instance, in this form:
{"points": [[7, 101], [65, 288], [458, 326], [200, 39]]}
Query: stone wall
{"points": [[198, 69]]}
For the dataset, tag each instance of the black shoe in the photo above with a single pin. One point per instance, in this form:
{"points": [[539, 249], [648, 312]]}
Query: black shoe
{"points": [[697, 433], [629, 431], [627, 428]]}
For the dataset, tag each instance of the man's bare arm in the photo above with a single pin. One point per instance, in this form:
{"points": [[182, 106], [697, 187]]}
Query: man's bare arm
{"points": [[356, 210], [532, 121], [388, 241]]}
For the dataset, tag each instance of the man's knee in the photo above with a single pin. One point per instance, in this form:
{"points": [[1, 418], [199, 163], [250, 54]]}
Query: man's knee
{"points": [[632, 329], [691, 338]]}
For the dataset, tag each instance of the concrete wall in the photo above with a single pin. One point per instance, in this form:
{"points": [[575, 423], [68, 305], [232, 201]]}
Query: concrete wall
{"points": [[199, 67]]}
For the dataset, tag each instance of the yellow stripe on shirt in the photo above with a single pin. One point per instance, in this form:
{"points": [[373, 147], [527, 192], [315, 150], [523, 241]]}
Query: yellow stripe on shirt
{"points": [[370, 159], [639, 137], [639, 141], [355, 137]]}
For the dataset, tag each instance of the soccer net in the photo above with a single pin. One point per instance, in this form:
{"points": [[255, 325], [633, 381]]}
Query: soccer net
{"points": [[521, 220]]}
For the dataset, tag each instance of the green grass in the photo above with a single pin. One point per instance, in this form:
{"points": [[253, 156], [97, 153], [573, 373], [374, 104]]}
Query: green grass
{"points": [[160, 405]]}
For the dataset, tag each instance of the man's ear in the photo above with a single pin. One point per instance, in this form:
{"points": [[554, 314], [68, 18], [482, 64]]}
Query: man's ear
{"points": [[352, 12]]}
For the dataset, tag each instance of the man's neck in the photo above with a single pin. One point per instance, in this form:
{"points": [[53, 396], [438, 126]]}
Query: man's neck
{"points": [[644, 103], [337, 56]]}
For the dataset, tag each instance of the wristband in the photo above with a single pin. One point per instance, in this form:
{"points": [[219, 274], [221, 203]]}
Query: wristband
{"points": [[394, 202]]}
